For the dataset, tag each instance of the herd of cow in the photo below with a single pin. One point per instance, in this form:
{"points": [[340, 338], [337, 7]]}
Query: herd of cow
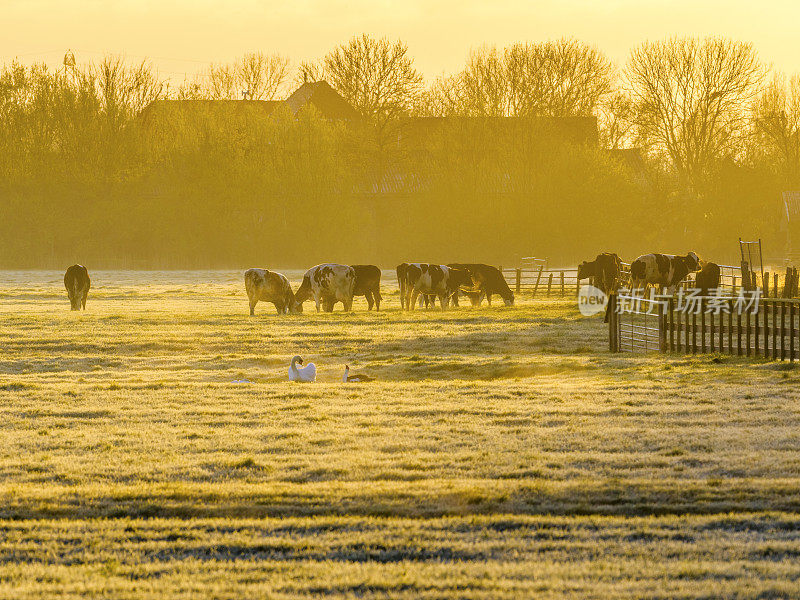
{"points": [[659, 270], [426, 283], [330, 283]]}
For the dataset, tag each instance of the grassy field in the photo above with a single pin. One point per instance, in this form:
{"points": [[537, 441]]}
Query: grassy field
{"points": [[502, 453]]}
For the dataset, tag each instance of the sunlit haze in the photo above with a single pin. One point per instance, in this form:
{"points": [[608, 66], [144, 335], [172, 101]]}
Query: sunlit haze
{"points": [[181, 36]]}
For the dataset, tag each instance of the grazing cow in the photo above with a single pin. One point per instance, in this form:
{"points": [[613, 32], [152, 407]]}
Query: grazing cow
{"points": [[77, 282], [665, 270], [270, 286], [604, 271], [368, 284], [328, 284], [433, 280], [707, 278], [486, 280]]}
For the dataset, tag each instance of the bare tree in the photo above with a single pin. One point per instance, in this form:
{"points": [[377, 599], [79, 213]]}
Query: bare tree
{"points": [[556, 78], [124, 90], [222, 84], [618, 121], [776, 120], [310, 72], [691, 98], [262, 75], [377, 77]]}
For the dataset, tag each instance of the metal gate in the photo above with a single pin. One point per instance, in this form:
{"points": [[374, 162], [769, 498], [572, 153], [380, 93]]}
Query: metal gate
{"points": [[636, 323]]}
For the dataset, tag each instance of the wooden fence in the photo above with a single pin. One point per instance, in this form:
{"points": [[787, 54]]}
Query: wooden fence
{"points": [[726, 325], [543, 283]]}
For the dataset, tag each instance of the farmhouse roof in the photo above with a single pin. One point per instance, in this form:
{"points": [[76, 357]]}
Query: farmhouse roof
{"points": [[324, 98]]}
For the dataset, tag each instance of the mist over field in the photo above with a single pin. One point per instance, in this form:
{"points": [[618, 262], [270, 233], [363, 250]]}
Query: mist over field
{"points": [[189, 409]]}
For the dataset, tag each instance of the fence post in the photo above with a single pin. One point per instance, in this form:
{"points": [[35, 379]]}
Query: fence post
{"points": [[519, 280], [783, 330], [549, 284], [613, 342], [774, 330], [747, 284], [662, 328], [562, 284], [702, 326], [765, 284], [765, 310], [671, 317], [538, 277], [747, 336], [791, 332], [730, 326], [775, 285]]}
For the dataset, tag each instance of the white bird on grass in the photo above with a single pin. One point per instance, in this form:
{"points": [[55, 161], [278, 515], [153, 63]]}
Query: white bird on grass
{"points": [[347, 378], [307, 373]]}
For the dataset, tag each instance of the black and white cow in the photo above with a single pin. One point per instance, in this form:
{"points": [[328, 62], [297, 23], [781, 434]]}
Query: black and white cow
{"points": [[328, 284], [77, 282], [439, 281], [269, 286], [662, 270]]}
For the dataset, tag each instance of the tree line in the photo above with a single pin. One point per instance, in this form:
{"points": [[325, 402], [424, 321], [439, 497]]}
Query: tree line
{"points": [[89, 173]]}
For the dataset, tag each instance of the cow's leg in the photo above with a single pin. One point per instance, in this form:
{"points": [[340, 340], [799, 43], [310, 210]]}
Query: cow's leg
{"points": [[83, 300], [280, 307], [370, 300], [348, 304], [253, 302], [317, 299], [489, 298], [378, 299], [412, 301], [444, 300]]}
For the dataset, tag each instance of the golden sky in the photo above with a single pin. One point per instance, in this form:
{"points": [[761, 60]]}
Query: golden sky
{"points": [[181, 36]]}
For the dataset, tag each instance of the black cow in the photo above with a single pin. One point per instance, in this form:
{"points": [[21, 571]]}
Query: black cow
{"points": [[368, 284], [77, 282], [707, 278], [486, 281], [604, 271]]}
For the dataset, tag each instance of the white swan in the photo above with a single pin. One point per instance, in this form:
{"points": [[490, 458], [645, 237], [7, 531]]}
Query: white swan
{"points": [[347, 378], [307, 373]]}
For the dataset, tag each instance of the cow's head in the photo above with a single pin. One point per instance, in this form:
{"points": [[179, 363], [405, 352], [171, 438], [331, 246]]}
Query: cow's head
{"points": [[586, 269], [458, 278], [509, 301], [693, 261]]}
